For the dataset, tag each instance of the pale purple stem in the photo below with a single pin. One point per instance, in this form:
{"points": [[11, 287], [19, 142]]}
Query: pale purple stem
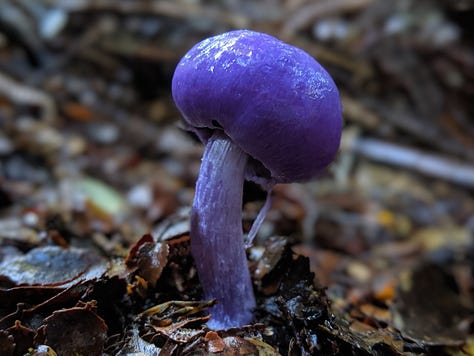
{"points": [[259, 219], [216, 233]]}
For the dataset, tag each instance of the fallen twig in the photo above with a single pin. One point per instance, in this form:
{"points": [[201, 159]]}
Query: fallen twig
{"points": [[420, 128], [178, 10], [422, 162], [21, 94], [306, 15]]}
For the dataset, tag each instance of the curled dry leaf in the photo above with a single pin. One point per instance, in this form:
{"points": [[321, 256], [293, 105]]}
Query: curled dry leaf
{"points": [[174, 310], [43, 277], [214, 342], [174, 322], [23, 337], [236, 345], [267, 256], [177, 333], [74, 331], [149, 257]]}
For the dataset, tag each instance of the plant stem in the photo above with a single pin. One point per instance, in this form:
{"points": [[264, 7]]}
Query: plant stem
{"points": [[216, 233]]}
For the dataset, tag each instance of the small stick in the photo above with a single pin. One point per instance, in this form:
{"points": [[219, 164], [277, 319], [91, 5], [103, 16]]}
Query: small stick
{"points": [[306, 15], [422, 162], [22, 94]]}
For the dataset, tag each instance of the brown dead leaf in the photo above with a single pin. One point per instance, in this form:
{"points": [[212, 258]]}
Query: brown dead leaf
{"points": [[376, 313], [179, 334], [384, 289], [268, 255], [214, 342], [23, 337], [239, 346], [78, 112], [75, 331], [52, 266], [7, 343], [149, 257]]}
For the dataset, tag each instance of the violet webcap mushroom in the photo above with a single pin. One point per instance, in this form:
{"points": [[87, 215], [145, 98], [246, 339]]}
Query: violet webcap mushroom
{"points": [[267, 112]]}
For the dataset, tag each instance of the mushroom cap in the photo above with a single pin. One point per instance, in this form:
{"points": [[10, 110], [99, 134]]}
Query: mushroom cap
{"points": [[272, 99]]}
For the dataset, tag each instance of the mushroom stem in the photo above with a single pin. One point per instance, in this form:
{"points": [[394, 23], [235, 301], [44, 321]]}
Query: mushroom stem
{"points": [[216, 233]]}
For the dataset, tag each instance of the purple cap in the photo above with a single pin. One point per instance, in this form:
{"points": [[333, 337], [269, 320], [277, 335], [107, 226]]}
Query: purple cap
{"points": [[270, 98]]}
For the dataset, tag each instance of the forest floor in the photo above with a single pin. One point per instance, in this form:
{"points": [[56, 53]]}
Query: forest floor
{"points": [[97, 177]]}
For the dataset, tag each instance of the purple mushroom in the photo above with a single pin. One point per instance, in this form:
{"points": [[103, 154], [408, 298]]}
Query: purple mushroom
{"points": [[267, 112]]}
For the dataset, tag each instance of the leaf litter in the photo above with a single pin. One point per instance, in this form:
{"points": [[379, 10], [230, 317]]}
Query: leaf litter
{"points": [[96, 179]]}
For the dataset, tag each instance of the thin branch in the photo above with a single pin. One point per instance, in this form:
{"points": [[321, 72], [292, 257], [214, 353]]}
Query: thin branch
{"points": [[22, 94], [422, 162]]}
